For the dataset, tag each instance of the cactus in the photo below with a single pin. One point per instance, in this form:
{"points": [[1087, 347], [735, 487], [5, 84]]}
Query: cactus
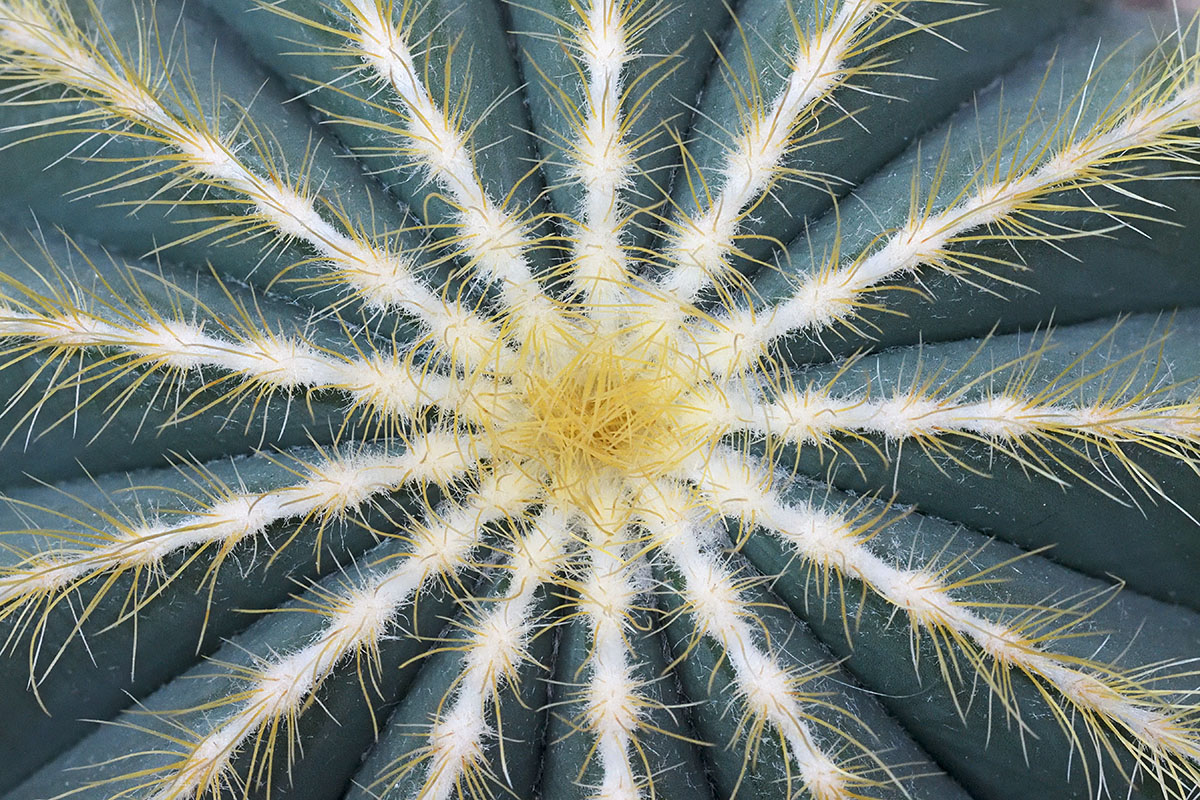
{"points": [[599, 399]]}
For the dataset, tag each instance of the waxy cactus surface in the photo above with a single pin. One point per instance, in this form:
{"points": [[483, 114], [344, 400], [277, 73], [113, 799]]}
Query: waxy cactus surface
{"points": [[613, 399]]}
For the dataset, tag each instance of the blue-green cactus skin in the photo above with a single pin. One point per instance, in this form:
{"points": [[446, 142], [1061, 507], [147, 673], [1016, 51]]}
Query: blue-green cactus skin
{"points": [[598, 400]]}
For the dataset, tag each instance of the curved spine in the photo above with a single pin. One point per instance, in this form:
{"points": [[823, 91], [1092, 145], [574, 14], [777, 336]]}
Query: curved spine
{"points": [[42, 39], [769, 689], [704, 242], [492, 238], [1153, 125], [1161, 734], [326, 489], [287, 683]]}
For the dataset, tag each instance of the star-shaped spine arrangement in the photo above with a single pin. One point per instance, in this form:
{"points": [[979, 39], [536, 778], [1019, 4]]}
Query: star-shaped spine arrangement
{"points": [[593, 428]]}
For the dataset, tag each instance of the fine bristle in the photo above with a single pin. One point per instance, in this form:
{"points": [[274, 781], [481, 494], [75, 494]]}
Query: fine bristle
{"points": [[581, 418]]}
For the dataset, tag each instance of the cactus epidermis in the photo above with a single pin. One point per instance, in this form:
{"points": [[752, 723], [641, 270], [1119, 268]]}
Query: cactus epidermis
{"points": [[599, 398]]}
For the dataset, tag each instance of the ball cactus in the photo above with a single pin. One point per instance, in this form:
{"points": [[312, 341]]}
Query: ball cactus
{"points": [[599, 399]]}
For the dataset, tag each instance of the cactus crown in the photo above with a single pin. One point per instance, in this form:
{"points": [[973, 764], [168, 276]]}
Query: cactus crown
{"points": [[590, 457]]}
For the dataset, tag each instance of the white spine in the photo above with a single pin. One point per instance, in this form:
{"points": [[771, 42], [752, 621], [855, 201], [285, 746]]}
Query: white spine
{"points": [[602, 163], [382, 278], [704, 242], [329, 488], [493, 239], [288, 681], [394, 389], [495, 651], [828, 540], [611, 694], [829, 296], [718, 610], [813, 416]]}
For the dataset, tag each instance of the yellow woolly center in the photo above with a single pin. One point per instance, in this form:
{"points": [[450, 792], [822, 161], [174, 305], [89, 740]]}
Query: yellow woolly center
{"points": [[599, 411]]}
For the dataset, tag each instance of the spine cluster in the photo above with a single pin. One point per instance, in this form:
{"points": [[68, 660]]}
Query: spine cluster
{"points": [[594, 441]]}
